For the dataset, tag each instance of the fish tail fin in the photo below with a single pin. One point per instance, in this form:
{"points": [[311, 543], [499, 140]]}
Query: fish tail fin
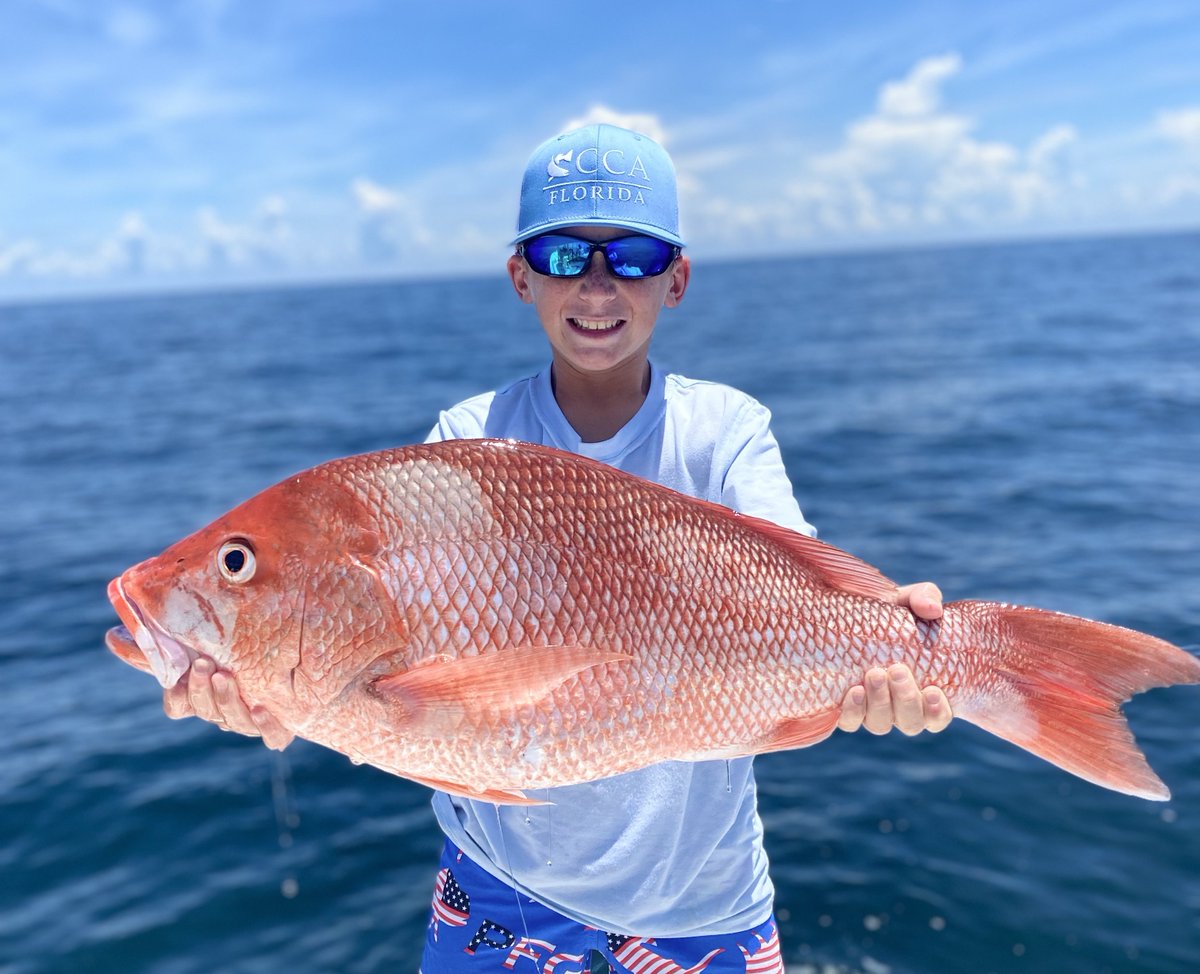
{"points": [[1056, 685]]}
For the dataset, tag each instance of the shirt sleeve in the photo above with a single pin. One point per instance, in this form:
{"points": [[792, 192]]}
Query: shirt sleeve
{"points": [[457, 423], [442, 430], [756, 481]]}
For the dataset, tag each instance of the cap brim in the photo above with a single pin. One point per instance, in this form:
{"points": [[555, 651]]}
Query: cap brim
{"points": [[646, 228]]}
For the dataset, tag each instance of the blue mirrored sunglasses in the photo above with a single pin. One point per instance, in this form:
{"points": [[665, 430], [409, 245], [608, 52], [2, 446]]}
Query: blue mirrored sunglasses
{"points": [[558, 255]]}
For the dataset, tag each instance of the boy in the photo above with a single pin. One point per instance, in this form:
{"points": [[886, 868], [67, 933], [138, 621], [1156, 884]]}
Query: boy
{"points": [[659, 869]]}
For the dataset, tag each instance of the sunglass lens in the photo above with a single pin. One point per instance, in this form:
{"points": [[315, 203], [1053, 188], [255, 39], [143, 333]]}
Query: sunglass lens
{"points": [[558, 256], [639, 256]]}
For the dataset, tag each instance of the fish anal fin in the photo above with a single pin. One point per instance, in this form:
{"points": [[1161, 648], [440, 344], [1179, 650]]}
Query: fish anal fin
{"points": [[804, 731], [789, 734], [497, 796], [502, 680], [834, 567]]}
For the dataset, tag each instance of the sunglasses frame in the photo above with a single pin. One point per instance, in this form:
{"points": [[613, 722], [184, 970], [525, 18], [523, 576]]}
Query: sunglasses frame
{"points": [[602, 246]]}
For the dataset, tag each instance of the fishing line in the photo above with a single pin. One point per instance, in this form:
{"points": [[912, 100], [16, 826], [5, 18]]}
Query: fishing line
{"points": [[282, 795], [508, 861], [286, 818]]}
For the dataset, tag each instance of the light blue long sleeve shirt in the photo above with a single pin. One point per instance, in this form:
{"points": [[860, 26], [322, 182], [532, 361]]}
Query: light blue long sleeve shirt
{"points": [[674, 849]]}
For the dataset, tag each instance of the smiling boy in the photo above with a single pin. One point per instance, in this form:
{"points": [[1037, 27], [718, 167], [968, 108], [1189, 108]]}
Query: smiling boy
{"points": [[673, 853]]}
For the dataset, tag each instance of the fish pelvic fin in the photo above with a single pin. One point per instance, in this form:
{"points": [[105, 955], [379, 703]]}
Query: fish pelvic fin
{"points": [[1057, 689], [447, 687]]}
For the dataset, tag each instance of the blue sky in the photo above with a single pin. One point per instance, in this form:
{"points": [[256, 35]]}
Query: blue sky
{"points": [[209, 142]]}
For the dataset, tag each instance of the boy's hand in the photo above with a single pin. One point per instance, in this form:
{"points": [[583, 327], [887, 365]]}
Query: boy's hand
{"points": [[891, 698], [212, 694]]}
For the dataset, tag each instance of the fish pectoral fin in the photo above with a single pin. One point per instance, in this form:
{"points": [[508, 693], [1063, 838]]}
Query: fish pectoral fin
{"points": [[803, 731], [501, 680], [497, 796]]}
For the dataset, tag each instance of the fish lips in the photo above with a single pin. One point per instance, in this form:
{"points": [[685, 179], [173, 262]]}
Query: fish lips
{"points": [[143, 644]]}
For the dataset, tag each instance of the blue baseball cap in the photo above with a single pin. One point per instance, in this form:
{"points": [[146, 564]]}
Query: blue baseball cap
{"points": [[599, 174]]}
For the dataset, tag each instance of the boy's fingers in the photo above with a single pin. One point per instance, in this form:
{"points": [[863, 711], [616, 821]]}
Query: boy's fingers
{"points": [[175, 700], [235, 715], [854, 709], [937, 709], [923, 599], [908, 704], [878, 719], [200, 691], [891, 698], [274, 734]]}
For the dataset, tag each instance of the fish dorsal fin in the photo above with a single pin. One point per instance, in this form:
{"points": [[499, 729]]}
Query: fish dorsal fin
{"points": [[834, 567], [501, 680]]}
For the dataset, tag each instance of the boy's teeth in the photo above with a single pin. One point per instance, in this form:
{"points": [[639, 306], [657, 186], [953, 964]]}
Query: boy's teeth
{"points": [[591, 325]]}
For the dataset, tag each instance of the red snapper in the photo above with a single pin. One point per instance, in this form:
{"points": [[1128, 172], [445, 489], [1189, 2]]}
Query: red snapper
{"points": [[488, 617]]}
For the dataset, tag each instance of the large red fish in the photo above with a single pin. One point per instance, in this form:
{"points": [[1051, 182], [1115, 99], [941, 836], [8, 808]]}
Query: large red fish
{"points": [[487, 617]]}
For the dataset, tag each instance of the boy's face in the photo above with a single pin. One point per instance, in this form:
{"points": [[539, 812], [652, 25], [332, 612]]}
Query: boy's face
{"points": [[597, 322]]}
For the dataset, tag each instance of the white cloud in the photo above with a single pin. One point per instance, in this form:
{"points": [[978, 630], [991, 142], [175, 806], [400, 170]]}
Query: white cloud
{"points": [[263, 242], [373, 198], [918, 94], [1172, 186], [134, 250], [132, 225], [133, 240], [645, 123], [15, 258], [122, 252], [912, 168], [1180, 125], [222, 239], [390, 224], [1051, 144], [1179, 188], [912, 165], [273, 210]]}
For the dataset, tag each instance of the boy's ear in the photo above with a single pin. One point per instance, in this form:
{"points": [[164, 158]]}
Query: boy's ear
{"points": [[518, 273], [681, 273]]}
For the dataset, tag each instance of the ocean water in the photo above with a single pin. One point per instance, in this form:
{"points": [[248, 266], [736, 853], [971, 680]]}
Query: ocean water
{"points": [[1018, 422]]}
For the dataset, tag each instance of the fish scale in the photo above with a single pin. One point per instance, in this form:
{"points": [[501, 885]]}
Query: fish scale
{"points": [[491, 617]]}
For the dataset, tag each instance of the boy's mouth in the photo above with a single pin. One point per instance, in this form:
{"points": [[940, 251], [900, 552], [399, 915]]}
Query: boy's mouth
{"points": [[596, 324]]}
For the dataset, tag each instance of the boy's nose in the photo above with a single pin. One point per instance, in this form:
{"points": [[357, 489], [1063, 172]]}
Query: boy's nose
{"points": [[597, 276]]}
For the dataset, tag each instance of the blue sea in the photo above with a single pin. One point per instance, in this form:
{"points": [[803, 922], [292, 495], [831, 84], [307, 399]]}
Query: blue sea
{"points": [[1018, 422]]}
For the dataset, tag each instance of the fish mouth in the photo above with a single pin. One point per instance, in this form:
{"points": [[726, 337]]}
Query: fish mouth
{"points": [[141, 643]]}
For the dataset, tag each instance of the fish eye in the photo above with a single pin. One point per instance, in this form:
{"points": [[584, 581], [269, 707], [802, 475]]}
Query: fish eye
{"points": [[235, 561]]}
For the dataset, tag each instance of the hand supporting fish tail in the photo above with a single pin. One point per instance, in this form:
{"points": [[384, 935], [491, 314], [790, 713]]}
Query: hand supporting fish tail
{"points": [[890, 698]]}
